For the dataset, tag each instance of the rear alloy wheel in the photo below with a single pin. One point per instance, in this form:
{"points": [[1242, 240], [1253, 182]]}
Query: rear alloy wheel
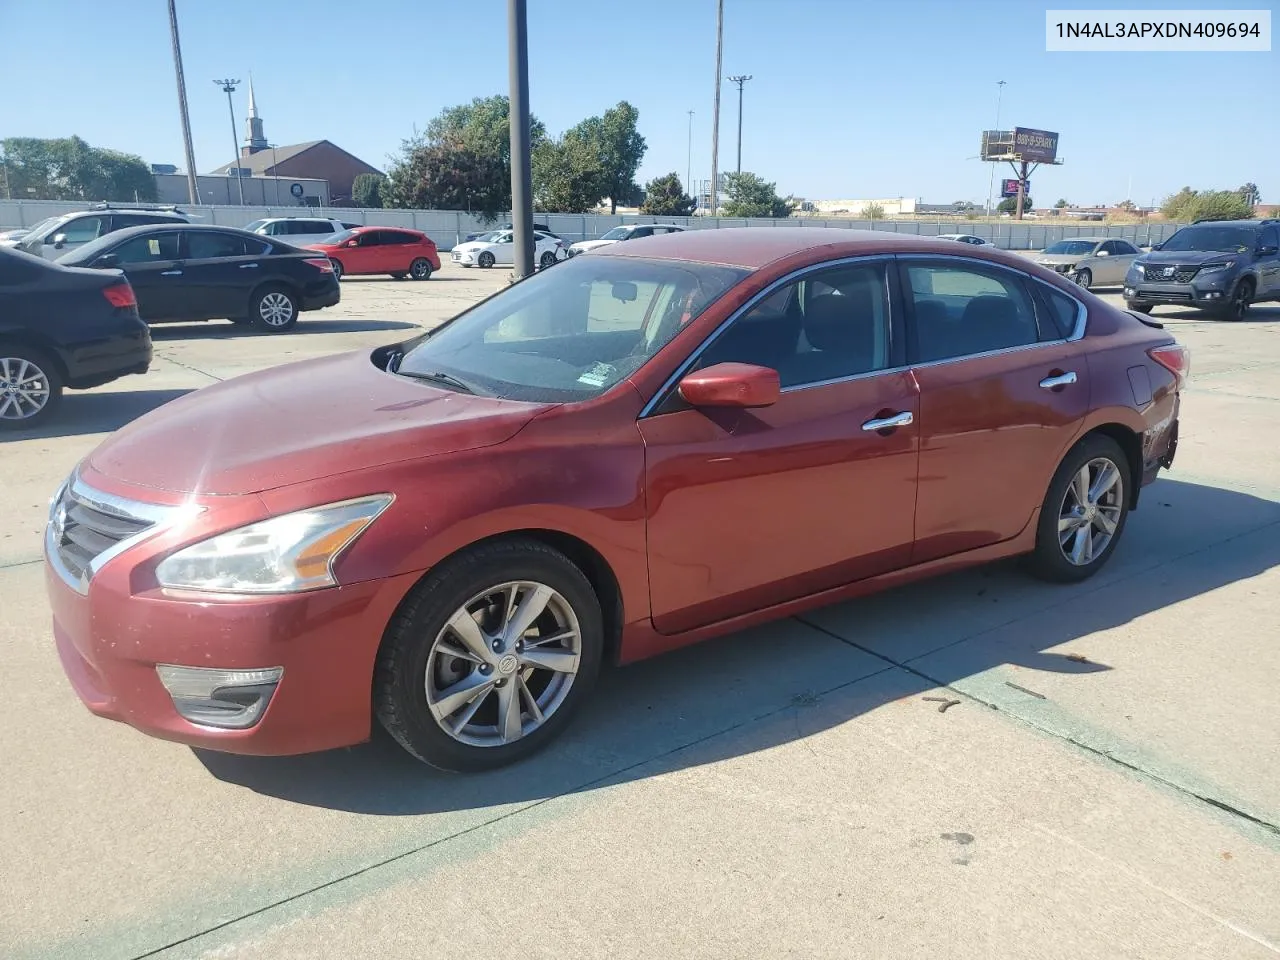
{"points": [[486, 260], [30, 387], [1083, 278], [1084, 512], [489, 656], [1237, 307], [548, 260], [274, 309], [420, 269], [337, 268]]}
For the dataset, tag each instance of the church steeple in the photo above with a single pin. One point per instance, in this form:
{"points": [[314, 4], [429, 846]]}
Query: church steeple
{"points": [[255, 139]]}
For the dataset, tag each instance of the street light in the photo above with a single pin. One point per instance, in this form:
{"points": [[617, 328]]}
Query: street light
{"points": [[275, 174], [521, 171], [688, 172], [715, 114], [740, 81], [229, 87], [193, 191], [991, 180]]}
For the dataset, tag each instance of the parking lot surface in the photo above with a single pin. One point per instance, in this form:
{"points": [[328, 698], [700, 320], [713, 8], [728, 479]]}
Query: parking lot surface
{"points": [[1106, 783]]}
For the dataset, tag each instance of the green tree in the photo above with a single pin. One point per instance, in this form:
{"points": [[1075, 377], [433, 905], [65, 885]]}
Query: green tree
{"points": [[747, 195], [1010, 204], [69, 169], [621, 150], [665, 197], [872, 211], [1188, 205], [1061, 204], [366, 190], [568, 174]]}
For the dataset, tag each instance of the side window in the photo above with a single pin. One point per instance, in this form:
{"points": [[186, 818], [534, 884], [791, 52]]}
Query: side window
{"points": [[209, 246], [350, 226], [964, 310], [1060, 310], [397, 237], [148, 249], [1124, 247], [84, 229], [1111, 248], [371, 239], [280, 228], [639, 232], [828, 326], [1270, 237]]}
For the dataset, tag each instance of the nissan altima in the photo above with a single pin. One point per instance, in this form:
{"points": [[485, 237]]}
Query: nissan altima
{"points": [[670, 439]]}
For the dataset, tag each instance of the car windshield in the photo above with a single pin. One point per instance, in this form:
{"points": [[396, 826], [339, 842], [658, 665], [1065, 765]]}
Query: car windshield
{"points": [[254, 225], [486, 238], [342, 237], [1072, 248], [617, 233], [34, 240], [570, 333], [1208, 239]]}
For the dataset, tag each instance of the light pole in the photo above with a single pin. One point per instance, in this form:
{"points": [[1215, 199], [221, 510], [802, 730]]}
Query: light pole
{"points": [[715, 119], [229, 87], [521, 169], [193, 190], [991, 181], [740, 81], [275, 174], [688, 170]]}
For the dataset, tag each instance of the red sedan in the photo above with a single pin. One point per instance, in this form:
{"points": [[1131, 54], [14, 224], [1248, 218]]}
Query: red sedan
{"points": [[368, 250], [670, 439]]}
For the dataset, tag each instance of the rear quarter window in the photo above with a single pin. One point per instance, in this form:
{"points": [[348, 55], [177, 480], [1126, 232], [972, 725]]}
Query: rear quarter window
{"points": [[1061, 312]]}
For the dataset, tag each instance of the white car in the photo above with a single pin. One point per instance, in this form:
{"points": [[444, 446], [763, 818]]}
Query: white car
{"points": [[10, 238], [299, 231], [965, 238], [633, 232], [498, 247]]}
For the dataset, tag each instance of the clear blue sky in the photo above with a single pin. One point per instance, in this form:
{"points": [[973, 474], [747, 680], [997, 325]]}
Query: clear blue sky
{"points": [[851, 98]]}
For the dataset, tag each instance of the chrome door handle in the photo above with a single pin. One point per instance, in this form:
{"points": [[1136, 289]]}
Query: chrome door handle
{"points": [[171, 273], [903, 419], [1062, 380], [248, 266]]}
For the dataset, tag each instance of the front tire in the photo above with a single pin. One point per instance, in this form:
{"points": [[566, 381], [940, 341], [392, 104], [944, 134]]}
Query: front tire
{"points": [[548, 259], [1237, 307], [420, 269], [486, 260], [1084, 512], [489, 656], [1084, 278], [30, 386], [274, 309]]}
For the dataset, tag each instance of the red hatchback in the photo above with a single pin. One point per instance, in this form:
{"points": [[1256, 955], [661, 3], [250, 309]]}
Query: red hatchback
{"points": [[670, 439], [366, 250]]}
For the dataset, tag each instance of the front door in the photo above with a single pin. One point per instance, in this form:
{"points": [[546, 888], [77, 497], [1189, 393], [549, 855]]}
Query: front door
{"points": [[749, 508], [151, 263], [1003, 392], [365, 256]]}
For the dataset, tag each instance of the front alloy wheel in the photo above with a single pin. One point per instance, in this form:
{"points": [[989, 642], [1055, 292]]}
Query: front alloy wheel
{"points": [[1083, 278]]}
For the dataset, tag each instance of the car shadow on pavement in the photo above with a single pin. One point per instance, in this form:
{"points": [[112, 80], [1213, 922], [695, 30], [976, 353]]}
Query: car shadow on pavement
{"points": [[218, 330], [95, 412], [782, 682]]}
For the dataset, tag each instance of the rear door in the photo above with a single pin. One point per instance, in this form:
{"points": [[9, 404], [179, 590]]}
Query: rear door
{"points": [[220, 271], [1113, 267], [1004, 389], [151, 262], [397, 250], [1269, 262]]}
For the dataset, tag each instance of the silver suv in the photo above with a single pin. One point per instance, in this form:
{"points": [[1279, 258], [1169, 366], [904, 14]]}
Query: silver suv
{"points": [[55, 236], [299, 231]]}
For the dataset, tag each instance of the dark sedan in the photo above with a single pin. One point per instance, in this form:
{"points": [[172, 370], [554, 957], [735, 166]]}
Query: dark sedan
{"points": [[184, 272], [62, 327]]}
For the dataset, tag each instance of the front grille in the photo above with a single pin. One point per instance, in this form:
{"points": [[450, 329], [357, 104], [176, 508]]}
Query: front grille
{"points": [[84, 526], [1172, 273], [1163, 294]]}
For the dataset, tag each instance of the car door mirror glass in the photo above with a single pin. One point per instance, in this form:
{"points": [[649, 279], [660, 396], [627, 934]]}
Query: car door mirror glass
{"points": [[1267, 250], [1103, 253], [741, 385], [1156, 246], [107, 260], [625, 290], [59, 239]]}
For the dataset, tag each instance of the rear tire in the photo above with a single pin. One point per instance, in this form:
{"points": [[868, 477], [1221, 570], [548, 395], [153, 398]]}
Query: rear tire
{"points": [[30, 386], [1084, 512], [274, 308], [420, 269], [337, 268], [422, 657]]}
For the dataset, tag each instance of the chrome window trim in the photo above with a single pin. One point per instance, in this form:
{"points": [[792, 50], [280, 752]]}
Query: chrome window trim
{"points": [[662, 392], [796, 388], [158, 516]]}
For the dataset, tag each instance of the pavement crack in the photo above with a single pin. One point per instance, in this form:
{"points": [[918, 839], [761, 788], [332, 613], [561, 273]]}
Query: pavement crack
{"points": [[189, 367]]}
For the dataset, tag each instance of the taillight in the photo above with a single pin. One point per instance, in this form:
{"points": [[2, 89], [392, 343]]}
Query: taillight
{"points": [[1175, 358], [323, 264], [120, 295]]}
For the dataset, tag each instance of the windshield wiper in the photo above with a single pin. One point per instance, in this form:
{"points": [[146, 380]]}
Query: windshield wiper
{"points": [[437, 377]]}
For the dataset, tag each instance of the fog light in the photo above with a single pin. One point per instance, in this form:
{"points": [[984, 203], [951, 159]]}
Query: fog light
{"points": [[231, 699], [1128, 292], [1212, 295]]}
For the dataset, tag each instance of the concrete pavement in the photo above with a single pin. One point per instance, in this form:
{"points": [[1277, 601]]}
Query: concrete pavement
{"points": [[1108, 784]]}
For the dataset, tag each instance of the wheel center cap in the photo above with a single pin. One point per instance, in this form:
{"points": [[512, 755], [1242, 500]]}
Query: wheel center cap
{"points": [[507, 665]]}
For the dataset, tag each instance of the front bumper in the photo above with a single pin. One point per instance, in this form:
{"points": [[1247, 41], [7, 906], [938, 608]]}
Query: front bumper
{"points": [[1206, 293], [112, 633], [466, 259]]}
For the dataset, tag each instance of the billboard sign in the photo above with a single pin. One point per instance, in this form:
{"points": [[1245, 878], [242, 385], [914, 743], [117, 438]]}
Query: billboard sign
{"points": [[1035, 146], [1009, 188]]}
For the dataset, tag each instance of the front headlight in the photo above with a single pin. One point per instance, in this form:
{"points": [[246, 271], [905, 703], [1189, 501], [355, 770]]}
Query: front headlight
{"points": [[1217, 265], [1140, 267], [286, 554]]}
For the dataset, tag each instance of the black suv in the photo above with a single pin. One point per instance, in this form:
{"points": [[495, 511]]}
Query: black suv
{"points": [[1217, 265]]}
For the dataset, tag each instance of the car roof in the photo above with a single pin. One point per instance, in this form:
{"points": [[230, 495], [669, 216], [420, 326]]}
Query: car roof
{"points": [[173, 227], [753, 247]]}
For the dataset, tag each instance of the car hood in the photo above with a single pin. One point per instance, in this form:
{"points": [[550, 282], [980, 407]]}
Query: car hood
{"points": [[592, 244], [1188, 256], [471, 246], [300, 422], [1060, 259]]}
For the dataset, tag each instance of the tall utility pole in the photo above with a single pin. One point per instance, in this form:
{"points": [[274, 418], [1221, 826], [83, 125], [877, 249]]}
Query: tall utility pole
{"points": [[688, 172], [715, 119], [521, 161], [193, 190], [229, 87], [739, 80], [991, 182]]}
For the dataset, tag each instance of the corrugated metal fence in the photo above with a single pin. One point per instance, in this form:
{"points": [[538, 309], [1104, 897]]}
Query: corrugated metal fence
{"points": [[448, 227]]}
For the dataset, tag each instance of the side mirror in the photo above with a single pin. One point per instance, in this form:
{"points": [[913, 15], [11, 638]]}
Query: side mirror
{"points": [[625, 290], [731, 385], [1267, 250], [106, 260], [59, 241], [1103, 253], [1156, 246], [351, 243]]}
